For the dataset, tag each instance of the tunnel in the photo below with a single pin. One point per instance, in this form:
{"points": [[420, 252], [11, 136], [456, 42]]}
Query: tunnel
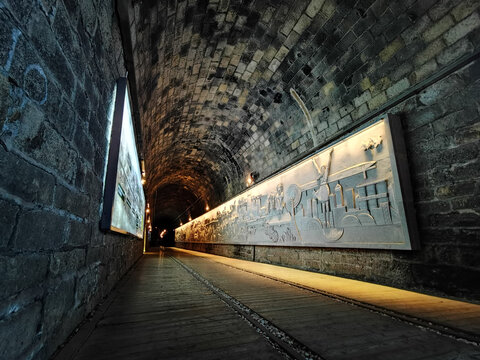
{"points": [[246, 119]]}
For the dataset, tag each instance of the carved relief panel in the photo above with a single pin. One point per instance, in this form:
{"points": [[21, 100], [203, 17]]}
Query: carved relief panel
{"points": [[354, 193]]}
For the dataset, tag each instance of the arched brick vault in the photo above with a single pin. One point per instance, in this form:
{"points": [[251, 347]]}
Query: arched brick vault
{"points": [[166, 207], [214, 81]]}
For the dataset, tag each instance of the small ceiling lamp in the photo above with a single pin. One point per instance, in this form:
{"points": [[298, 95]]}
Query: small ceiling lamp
{"points": [[207, 208]]}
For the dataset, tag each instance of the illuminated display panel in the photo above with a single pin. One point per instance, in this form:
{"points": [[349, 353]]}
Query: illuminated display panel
{"points": [[124, 199], [354, 193]]}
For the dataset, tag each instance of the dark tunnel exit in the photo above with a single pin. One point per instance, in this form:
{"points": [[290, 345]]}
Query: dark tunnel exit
{"points": [[171, 206], [163, 232]]}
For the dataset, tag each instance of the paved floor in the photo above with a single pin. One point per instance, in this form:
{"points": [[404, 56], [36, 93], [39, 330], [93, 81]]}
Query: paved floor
{"points": [[459, 316], [187, 305]]}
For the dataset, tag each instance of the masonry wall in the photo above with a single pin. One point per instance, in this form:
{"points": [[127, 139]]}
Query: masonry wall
{"points": [[418, 60], [58, 66]]}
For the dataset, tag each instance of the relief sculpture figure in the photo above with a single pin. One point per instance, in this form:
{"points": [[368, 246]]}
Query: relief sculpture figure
{"points": [[275, 201], [293, 197], [323, 195]]}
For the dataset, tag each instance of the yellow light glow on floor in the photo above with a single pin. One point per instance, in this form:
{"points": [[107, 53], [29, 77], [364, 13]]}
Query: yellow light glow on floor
{"points": [[452, 313]]}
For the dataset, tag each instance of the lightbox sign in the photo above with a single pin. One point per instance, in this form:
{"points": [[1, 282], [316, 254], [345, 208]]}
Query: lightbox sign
{"points": [[124, 199]]}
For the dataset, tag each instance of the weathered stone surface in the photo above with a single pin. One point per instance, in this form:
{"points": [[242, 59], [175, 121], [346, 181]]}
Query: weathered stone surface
{"points": [[418, 27], [44, 41], [84, 144], [67, 39], [66, 262], [8, 220], [79, 233], [59, 299], [21, 272], [64, 121], [48, 148], [462, 28], [423, 71], [441, 89], [19, 330], [430, 52], [87, 282], [74, 202], [25, 180], [377, 101], [40, 230], [5, 100], [464, 9], [455, 51], [387, 53], [95, 255], [438, 28]]}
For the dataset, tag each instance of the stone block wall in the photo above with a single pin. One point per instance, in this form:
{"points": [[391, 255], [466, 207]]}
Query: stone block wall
{"points": [[351, 61], [59, 61]]}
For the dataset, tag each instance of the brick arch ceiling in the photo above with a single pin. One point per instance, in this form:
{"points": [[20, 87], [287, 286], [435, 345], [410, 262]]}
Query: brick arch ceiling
{"points": [[214, 82]]}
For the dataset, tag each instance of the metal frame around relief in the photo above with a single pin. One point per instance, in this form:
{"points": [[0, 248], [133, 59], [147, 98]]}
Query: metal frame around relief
{"points": [[354, 193]]}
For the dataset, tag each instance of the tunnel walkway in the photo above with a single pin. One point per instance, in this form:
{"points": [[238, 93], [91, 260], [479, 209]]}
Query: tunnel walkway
{"points": [[186, 305]]}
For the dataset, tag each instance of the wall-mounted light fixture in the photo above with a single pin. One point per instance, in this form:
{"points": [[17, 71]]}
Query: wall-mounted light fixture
{"points": [[189, 217], [142, 168], [252, 177], [147, 211], [207, 208]]}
